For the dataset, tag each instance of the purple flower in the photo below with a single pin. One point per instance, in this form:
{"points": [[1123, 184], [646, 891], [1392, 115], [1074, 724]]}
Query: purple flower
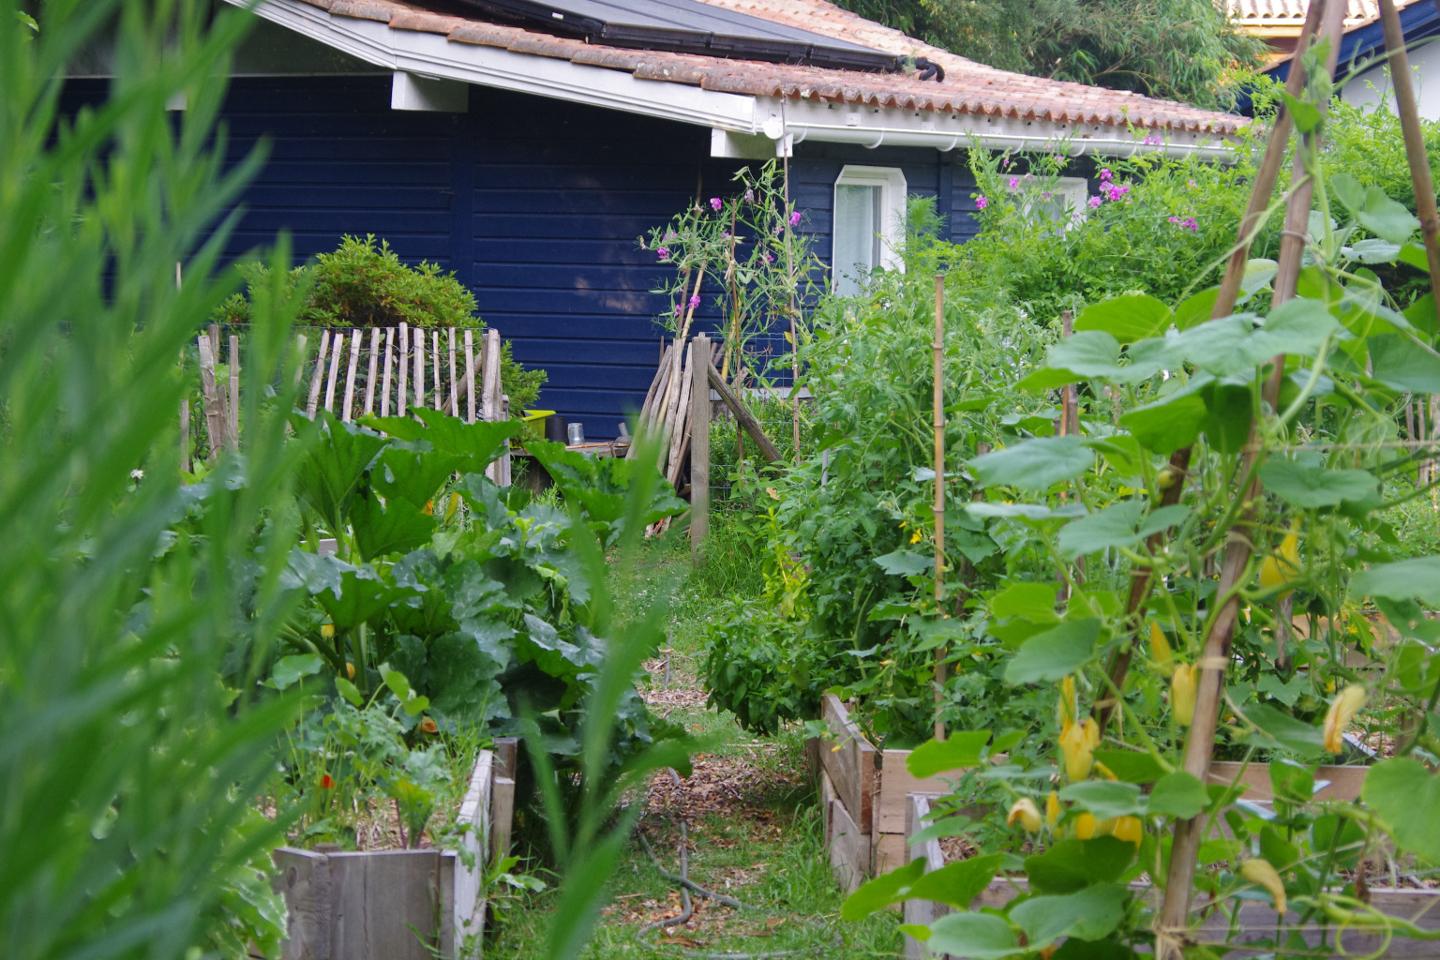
{"points": [[981, 201], [749, 195], [1114, 191], [662, 253], [716, 204], [1005, 164], [1014, 182], [694, 300], [1189, 223], [1105, 174], [1153, 140], [1173, 219], [795, 218], [766, 257], [1095, 201]]}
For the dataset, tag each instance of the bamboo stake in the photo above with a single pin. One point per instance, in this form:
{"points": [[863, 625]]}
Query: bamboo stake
{"points": [[233, 420], [336, 357], [1171, 921], [469, 377], [349, 398], [404, 367], [418, 342], [370, 374], [937, 410], [678, 436], [318, 377], [700, 448], [184, 406], [1260, 194], [435, 369]]}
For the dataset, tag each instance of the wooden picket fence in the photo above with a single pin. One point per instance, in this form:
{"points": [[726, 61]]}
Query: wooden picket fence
{"points": [[359, 371]]}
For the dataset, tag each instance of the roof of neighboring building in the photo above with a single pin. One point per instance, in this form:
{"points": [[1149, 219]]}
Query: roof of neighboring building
{"points": [[1263, 16], [969, 88]]}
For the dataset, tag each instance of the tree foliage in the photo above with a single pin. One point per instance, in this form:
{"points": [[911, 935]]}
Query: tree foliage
{"points": [[1175, 49]]}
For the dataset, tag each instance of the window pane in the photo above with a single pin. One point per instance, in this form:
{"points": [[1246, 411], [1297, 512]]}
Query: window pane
{"points": [[856, 239]]}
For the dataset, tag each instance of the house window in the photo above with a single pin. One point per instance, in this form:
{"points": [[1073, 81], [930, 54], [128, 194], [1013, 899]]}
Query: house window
{"points": [[1062, 200], [869, 224]]}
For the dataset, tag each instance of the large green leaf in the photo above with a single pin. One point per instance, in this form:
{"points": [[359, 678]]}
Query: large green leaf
{"points": [[958, 750], [1127, 318], [1306, 483], [1407, 797], [1398, 361], [1297, 327], [976, 936], [1178, 794], [956, 884], [1035, 464], [905, 563], [1090, 353], [879, 892], [397, 526], [333, 467], [1088, 914], [1054, 653], [1386, 218], [1118, 525], [1070, 865], [1169, 423], [1105, 798], [473, 445], [412, 473], [350, 595], [290, 670], [1415, 579]]}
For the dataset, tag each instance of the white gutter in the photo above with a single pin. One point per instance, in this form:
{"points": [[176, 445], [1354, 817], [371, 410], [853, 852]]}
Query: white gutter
{"points": [[793, 121]]}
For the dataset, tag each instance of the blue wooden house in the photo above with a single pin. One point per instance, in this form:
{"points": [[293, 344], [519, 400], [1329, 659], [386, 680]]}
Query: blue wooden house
{"points": [[525, 145]]}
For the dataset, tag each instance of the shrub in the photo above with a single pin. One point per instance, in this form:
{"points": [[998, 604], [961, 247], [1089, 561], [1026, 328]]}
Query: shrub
{"points": [[363, 283]]}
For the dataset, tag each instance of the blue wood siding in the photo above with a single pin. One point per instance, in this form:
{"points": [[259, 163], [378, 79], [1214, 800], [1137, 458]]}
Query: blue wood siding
{"points": [[534, 203]]}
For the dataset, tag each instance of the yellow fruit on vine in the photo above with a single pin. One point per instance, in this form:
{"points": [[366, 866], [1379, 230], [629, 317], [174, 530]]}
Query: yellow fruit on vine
{"points": [[1160, 651], [1166, 478], [1052, 809], [1182, 693], [1129, 829], [1086, 826], [1342, 710], [1024, 812], [1077, 745], [349, 670], [1282, 566], [1265, 876], [327, 631]]}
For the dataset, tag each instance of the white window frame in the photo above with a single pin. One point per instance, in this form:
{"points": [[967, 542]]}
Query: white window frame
{"points": [[891, 181], [1074, 189]]}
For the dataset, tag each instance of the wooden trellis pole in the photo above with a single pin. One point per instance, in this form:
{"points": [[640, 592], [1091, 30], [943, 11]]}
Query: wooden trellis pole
{"points": [[937, 409], [699, 446]]}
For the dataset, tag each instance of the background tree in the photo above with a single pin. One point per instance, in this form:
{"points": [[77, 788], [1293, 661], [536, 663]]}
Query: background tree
{"points": [[1176, 49]]}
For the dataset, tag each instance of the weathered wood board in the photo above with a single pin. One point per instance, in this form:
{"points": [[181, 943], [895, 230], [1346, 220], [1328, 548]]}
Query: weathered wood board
{"points": [[1334, 783], [849, 845], [849, 761]]}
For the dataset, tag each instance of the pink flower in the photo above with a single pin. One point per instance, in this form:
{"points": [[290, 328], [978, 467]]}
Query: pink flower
{"points": [[694, 300], [795, 218], [1105, 174], [1153, 140], [981, 201], [716, 204], [1005, 164], [1094, 201], [766, 257], [749, 195], [1014, 182], [663, 253]]}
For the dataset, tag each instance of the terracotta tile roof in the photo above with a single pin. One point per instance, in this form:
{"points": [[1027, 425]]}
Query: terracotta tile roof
{"points": [[968, 88]]}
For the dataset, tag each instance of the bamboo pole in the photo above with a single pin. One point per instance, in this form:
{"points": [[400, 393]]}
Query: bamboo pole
{"points": [[937, 409], [1171, 920], [1260, 194], [232, 420], [700, 448], [370, 373], [417, 337]]}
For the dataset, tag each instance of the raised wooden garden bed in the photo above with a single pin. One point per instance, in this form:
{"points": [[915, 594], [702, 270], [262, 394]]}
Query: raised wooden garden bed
{"points": [[1256, 918], [863, 792], [401, 904]]}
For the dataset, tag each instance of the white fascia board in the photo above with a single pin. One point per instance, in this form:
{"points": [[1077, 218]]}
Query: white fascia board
{"points": [[432, 55], [875, 126]]}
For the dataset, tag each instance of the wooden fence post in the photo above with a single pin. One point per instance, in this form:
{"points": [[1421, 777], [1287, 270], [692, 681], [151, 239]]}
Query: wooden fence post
{"points": [[699, 447]]}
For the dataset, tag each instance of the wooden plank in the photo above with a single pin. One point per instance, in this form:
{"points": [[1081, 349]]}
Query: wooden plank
{"points": [[385, 376], [679, 435], [385, 904], [849, 848], [699, 447], [370, 373], [896, 783], [303, 879], [744, 417], [233, 407], [210, 396], [490, 377], [849, 760], [336, 356], [657, 384], [418, 342], [887, 852], [921, 912], [435, 369], [400, 392], [1334, 782], [469, 377], [507, 751], [347, 405], [502, 817], [467, 912], [454, 384]]}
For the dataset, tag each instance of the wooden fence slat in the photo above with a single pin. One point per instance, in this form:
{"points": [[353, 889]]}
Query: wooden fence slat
{"points": [[370, 375], [304, 879], [394, 891], [454, 384], [319, 376], [300, 342], [469, 377], [418, 338], [435, 369], [385, 377], [210, 396], [347, 405], [490, 371], [336, 358], [233, 421], [400, 393]]}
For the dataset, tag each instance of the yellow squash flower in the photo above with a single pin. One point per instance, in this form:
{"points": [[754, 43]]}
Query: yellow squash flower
{"points": [[327, 631], [1026, 814], [1067, 709], [1077, 744], [1182, 692], [1262, 874], [1160, 651], [915, 537], [1085, 826], [1129, 829], [1342, 710], [1052, 809], [1282, 566]]}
